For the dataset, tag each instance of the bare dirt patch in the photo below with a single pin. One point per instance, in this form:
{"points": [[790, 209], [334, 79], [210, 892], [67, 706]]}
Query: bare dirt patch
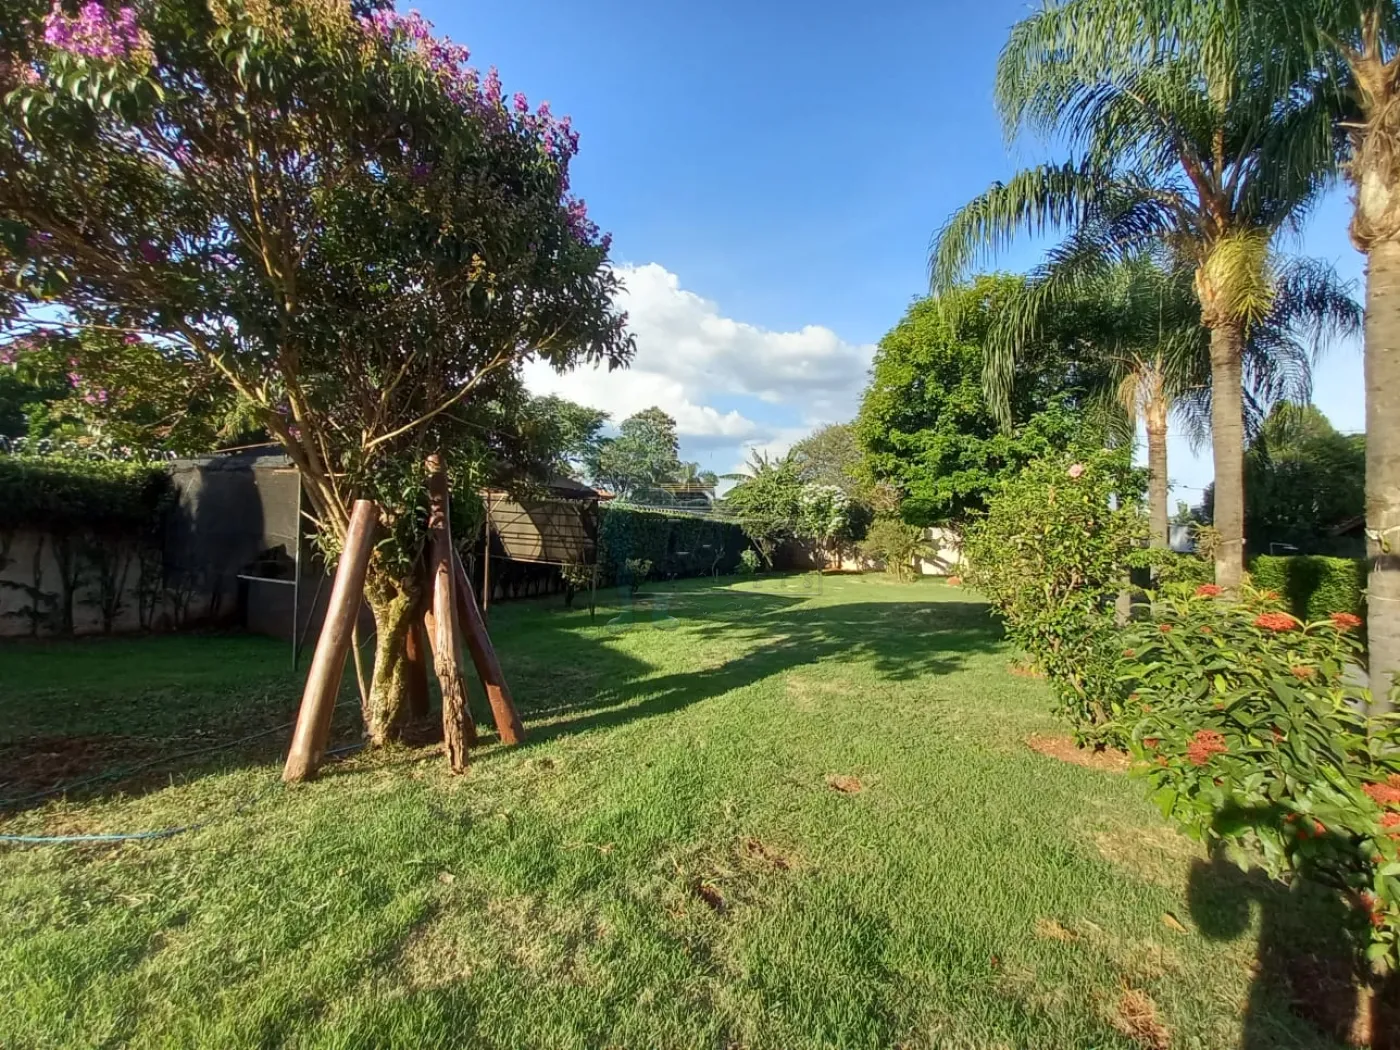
{"points": [[1064, 749], [1136, 1017], [844, 783], [1052, 930], [765, 856]]}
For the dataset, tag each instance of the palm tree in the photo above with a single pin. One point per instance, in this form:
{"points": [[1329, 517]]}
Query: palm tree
{"points": [[1198, 158], [1144, 355], [1353, 48]]}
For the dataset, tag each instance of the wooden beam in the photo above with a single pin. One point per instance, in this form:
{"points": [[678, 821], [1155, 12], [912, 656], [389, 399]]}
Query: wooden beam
{"points": [[457, 728], [323, 680], [488, 667], [416, 656]]}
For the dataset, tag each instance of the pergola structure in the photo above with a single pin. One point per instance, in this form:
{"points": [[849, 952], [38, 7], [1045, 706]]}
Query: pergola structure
{"points": [[557, 526]]}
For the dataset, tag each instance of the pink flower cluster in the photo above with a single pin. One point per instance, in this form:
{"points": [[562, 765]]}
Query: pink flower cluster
{"points": [[465, 87], [94, 32]]}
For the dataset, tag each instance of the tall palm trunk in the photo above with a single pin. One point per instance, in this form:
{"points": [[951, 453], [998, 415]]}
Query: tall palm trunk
{"points": [[1383, 465], [1374, 172], [1227, 438], [1159, 525]]}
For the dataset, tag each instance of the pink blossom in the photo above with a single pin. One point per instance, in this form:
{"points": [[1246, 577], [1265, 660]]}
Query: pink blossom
{"points": [[93, 32], [1077, 471], [131, 338], [520, 102], [74, 379]]}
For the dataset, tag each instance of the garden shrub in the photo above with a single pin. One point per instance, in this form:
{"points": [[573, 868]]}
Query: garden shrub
{"points": [[1249, 731], [1314, 587], [1051, 555], [676, 545], [749, 561], [82, 496], [1171, 569], [896, 545]]}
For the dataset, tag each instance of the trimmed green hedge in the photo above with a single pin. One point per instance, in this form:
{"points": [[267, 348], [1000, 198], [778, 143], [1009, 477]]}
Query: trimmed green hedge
{"points": [[1314, 587], [677, 545], [78, 495]]}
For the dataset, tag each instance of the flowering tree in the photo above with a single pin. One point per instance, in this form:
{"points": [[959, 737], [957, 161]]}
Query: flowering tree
{"points": [[320, 208], [823, 515]]}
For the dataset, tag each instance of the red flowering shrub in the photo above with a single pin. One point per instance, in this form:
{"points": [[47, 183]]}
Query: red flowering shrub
{"points": [[1271, 621], [1204, 744], [1209, 590], [1346, 621], [1252, 732]]}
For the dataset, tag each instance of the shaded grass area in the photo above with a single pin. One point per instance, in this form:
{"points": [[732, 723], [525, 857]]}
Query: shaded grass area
{"points": [[776, 813]]}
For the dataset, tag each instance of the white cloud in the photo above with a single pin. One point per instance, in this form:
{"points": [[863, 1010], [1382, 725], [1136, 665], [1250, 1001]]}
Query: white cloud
{"points": [[689, 355]]}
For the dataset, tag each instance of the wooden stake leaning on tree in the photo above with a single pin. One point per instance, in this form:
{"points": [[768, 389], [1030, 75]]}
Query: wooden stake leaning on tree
{"points": [[416, 656], [457, 728], [323, 680], [488, 668]]}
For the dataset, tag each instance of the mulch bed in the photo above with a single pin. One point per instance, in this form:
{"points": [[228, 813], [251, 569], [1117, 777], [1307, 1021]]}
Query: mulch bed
{"points": [[1065, 749]]}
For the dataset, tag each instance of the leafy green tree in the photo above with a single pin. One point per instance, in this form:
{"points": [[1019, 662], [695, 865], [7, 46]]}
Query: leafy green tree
{"points": [[642, 460], [1187, 148], [925, 424], [831, 455], [572, 433], [767, 502], [1306, 480], [897, 545], [335, 218]]}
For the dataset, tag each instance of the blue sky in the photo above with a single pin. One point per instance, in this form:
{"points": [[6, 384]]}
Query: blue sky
{"points": [[772, 173]]}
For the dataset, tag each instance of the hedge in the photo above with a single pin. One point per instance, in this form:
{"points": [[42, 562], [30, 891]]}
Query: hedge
{"points": [[677, 545], [1315, 587], [78, 495]]}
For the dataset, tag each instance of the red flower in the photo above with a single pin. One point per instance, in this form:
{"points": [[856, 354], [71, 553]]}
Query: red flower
{"points": [[1150, 742], [1165, 628], [1345, 621], [1204, 744], [1378, 919], [1206, 630], [1301, 673], [1209, 590], [1278, 733], [1319, 828], [1389, 820], [1129, 653], [1383, 794], [954, 581], [1269, 596], [1275, 622]]}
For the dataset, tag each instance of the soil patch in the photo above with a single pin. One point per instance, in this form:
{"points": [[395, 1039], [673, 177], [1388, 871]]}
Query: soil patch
{"points": [[1064, 749]]}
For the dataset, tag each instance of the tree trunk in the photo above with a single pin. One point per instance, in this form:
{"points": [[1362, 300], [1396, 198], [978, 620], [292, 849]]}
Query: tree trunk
{"points": [[1227, 439], [395, 605], [1383, 466], [1160, 527]]}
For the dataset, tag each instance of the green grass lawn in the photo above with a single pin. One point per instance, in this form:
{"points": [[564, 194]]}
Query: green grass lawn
{"points": [[666, 864]]}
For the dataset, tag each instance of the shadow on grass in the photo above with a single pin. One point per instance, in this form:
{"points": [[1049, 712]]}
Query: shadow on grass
{"points": [[1308, 958], [131, 716], [565, 679]]}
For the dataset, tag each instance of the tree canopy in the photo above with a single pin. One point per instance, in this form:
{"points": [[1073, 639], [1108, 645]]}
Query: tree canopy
{"points": [[925, 425]]}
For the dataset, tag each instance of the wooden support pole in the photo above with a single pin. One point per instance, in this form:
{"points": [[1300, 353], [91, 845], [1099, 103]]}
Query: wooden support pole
{"points": [[416, 656], [486, 566], [488, 667], [457, 728], [323, 680]]}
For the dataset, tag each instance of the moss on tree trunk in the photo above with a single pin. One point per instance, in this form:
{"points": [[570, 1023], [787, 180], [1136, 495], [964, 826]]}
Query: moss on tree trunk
{"points": [[396, 605]]}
